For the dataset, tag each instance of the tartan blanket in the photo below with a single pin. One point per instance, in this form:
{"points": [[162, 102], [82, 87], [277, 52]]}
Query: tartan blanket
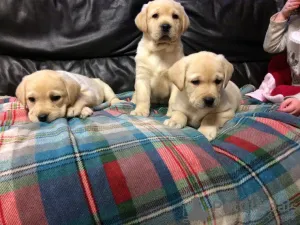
{"points": [[113, 168]]}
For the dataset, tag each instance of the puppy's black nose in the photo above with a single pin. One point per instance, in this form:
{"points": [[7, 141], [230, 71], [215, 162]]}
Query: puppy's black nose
{"points": [[43, 117], [166, 27], [209, 101]]}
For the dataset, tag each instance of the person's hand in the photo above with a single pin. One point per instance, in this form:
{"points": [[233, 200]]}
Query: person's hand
{"points": [[287, 10], [290, 105]]}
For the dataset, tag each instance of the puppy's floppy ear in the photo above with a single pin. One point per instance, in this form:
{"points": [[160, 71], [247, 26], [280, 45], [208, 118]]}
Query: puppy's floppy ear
{"points": [[227, 68], [184, 19], [73, 89], [21, 92], [141, 19], [176, 73]]}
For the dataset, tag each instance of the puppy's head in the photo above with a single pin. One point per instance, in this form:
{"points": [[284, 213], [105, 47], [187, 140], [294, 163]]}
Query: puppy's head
{"points": [[163, 21], [47, 95], [203, 76]]}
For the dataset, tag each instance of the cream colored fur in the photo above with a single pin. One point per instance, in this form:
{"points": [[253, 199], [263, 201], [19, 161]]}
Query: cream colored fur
{"points": [[157, 52], [201, 76], [57, 94]]}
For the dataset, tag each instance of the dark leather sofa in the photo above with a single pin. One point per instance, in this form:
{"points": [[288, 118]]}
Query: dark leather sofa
{"points": [[98, 38]]}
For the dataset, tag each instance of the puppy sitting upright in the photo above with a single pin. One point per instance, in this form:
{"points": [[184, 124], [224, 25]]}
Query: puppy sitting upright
{"points": [[205, 97], [162, 23], [52, 94]]}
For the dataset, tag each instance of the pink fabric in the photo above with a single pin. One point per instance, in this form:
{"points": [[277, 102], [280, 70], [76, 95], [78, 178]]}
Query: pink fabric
{"points": [[263, 93], [277, 84]]}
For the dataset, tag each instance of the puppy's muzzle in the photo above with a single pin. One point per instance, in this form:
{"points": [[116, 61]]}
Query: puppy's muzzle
{"points": [[43, 117], [209, 101], [165, 28]]}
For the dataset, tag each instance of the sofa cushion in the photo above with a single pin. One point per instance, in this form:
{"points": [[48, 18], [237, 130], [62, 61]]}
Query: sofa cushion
{"points": [[113, 168]]}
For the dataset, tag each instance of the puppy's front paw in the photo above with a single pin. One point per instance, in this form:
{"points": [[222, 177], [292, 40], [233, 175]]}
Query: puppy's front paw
{"points": [[116, 101], [140, 112], [210, 132], [85, 112], [73, 111], [173, 123]]}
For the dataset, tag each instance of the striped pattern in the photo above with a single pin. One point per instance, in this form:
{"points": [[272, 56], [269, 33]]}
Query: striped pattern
{"points": [[113, 168]]}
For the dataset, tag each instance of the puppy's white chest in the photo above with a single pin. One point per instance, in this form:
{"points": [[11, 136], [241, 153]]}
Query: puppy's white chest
{"points": [[194, 115], [195, 120], [160, 85], [158, 65]]}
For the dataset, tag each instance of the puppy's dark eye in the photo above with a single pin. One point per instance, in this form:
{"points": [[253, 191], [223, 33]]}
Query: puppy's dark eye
{"points": [[195, 82], [175, 16], [218, 81], [55, 98], [155, 16], [31, 99]]}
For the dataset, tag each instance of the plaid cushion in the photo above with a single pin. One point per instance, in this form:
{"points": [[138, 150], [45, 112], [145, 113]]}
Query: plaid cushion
{"points": [[113, 168]]}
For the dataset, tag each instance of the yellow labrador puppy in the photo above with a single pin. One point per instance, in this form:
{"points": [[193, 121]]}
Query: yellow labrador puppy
{"points": [[52, 94], [162, 23], [205, 98]]}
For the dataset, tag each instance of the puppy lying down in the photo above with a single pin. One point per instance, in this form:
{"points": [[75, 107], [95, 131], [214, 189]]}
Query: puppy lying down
{"points": [[52, 94], [205, 98]]}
